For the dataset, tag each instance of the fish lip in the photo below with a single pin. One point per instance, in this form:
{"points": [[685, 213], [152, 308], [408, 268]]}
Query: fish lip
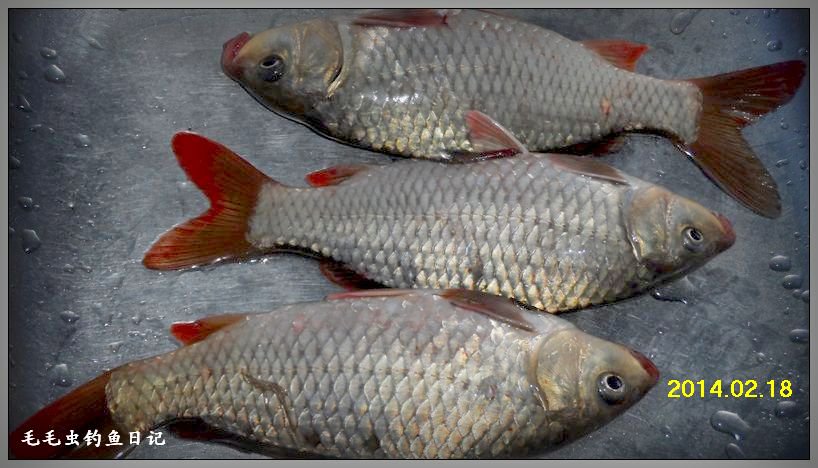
{"points": [[648, 365], [230, 50], [729, 237]]}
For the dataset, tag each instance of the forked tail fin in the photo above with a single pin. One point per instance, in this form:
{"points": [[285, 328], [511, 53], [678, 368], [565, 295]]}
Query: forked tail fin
{"points": [[232, 185], [84, 409], [730, 102]]}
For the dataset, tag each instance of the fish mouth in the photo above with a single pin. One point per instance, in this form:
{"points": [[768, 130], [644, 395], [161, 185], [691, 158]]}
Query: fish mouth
{"points": [[729, 234], [648, 365], [230, 50]]}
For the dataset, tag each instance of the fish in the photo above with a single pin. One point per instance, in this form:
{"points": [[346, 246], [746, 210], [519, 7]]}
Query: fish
{"points": [[554, 232], [369, 374], [401, 82]]}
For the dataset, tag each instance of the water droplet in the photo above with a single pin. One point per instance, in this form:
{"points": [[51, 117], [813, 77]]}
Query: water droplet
{"points": [[780, 263], [682, 20], [137, 319], [724, 35], [729, 423], [11, 231], [800, 144], [59, 375], [68, 268], [71, 205], [786, 409], [765, 13], [782, 162], [799, 335], [802, 164], [666, 431], [48, 53], [796, 293], [784, 125], [22, 75], [712, 22], [26, 203], [54, 74], [69, 316], [22, 103], [82, 141], [14, 163], [805, 296], [18, 38], [774, 10], [734, 11], [31, 241], [94, 43], [803, 51], [115, 346], [734, 451], [791, 281], [774, 45], [748, 19]]}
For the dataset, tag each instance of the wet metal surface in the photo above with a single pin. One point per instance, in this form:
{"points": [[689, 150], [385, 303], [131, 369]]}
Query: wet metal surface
{"points": [[91, 150]]}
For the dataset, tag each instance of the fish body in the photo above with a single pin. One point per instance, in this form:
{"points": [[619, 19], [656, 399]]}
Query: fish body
{"points": [[541, 229], [402, 83], [406, 374]]}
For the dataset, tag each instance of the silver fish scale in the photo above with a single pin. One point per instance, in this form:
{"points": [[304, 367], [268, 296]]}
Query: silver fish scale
{"points": [[518, 227], [380, 377], [406, 90]]}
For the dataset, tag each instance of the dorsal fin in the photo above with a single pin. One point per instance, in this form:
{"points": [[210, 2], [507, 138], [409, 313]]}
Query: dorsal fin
{"points": [[499, 308], [487, 136], [623, 54], [333, 175], [588, 167], [403, 18], [191, 332]]}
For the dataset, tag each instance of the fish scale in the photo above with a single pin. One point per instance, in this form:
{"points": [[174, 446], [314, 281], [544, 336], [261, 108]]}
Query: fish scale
{"points": [[437, 226]]}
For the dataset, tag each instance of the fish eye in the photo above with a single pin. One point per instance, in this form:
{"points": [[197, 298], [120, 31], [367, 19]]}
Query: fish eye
{"points": [[693, 239], [612, 388], [271, 68]]}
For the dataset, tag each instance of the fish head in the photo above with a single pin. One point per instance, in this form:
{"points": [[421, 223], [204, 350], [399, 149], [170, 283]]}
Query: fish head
{"points": [[286, 68], [585, 381], [672, 235]]}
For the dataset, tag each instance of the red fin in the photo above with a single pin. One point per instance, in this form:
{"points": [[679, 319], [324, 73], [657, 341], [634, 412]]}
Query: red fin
{"points": [[488, 136], [499, 308], [622, 54], [192, 332], [731, 101], [84, 408], [333, 175], [596, 148], [406, 18], [588, 167], [383, 292], [232, 185], [341, 275]]}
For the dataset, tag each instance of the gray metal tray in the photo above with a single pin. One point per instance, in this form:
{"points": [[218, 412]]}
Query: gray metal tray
{"points": [[133, 78]]}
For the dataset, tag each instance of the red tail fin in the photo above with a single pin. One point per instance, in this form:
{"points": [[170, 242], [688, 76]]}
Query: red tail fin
{"points": [[83, 409], [730, 102], [232, 185]]}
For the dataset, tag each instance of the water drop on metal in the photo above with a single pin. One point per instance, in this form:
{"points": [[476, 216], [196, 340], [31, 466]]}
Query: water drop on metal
{"points": [[799, 335], [82, 141], [774, 45], [48, 53], [22, 75], [59, 375], [54, 74], [115, 346], [734, 11], [765, 13], [682, 20], [22, 103], [94, 43], [791, 281], [780, 263], [26, 203], [782, 162], [734, 451], [31, 241], [805, 296], [784, 125], [69, 316], [803, 51], [729, 423], [786, 409]]}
